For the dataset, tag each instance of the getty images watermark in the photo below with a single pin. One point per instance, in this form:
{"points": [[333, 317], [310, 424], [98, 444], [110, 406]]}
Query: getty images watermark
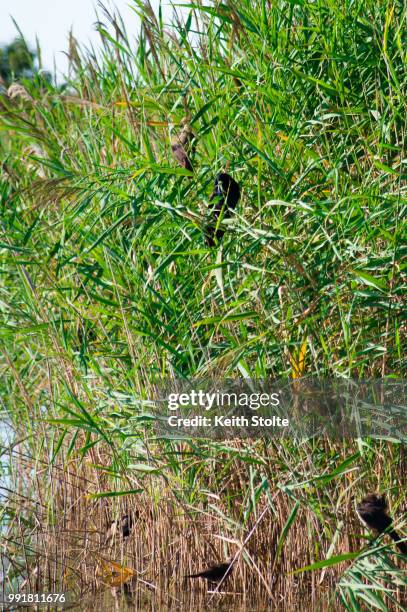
{"points": [[209, 401], [334, 408]]}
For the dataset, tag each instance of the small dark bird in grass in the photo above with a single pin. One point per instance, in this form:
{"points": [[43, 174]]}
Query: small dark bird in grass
{"points": [[215, 573], [373, 511], [121, 527], [225, 197], [126, 525], [182, 145]]}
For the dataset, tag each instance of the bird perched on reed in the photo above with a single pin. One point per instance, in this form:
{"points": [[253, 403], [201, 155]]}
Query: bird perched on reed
{"points": [[183, 145], [373, 512], [214, 573], [225, 197], [122, 527], [126, 525]]}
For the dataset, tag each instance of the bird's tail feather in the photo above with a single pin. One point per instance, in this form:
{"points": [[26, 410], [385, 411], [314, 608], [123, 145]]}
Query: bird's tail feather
{"points": [[402, 546], [193, 575]]}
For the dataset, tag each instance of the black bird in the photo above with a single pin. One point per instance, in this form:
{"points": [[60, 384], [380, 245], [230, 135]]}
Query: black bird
{"points": [[126, 525], [122, 527], [373, 511], [225, 197], [215, 573]]}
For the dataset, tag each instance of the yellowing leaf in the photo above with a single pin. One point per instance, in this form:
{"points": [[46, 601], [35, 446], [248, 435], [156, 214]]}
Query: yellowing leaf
{"points": [[298, 361], [114, 574]]}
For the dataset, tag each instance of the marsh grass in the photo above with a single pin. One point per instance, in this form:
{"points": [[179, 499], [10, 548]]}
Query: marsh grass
{"points": [[293, 526], [107, 286]]}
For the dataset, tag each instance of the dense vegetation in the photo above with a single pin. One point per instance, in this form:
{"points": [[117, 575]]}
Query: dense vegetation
{"points": [[107, 284]]}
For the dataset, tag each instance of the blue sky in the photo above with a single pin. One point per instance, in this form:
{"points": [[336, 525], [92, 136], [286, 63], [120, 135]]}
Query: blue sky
{"points": [[51, 21]]}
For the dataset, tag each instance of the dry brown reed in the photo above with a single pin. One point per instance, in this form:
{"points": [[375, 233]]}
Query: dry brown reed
{"points": [[59, 527]]}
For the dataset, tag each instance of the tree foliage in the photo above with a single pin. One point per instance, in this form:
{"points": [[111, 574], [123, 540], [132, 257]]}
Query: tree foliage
{"points": [[16, 61]]}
